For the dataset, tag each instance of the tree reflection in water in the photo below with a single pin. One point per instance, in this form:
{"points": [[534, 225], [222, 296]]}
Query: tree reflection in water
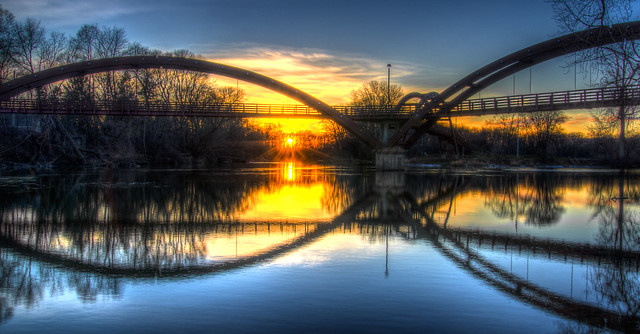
{"points": [[161, 221], [536, 197], [24, 282], [101, 227], [617, 283], [85, 232]]}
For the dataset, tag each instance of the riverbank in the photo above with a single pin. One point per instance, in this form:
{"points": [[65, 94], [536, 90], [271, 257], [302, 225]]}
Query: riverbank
{"points": [[515, 162], [411, 164]]}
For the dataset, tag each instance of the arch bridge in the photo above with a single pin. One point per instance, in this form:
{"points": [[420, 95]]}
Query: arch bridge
{"points": [[390, 152]]}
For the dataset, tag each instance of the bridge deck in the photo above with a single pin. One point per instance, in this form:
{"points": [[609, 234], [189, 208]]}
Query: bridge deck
{"points": [[231, 110], [565, 100]]}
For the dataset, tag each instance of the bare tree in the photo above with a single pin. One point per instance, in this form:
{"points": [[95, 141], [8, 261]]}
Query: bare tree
{"points": [[376, 94], [91, 42], [29, 36], [503, 132], [82, 45], [6, 43], [335, 133], [542, 127], [52, 51], [112, 42], [34, 51], [228, 95], [615, 65]]}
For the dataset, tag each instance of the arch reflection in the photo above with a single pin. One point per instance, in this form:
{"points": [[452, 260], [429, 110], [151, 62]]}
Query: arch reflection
{"points": [[145, 224], [183, 224]]}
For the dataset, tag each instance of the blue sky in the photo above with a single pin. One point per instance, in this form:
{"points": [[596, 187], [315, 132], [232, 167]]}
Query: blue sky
{"points": [[329, 47]]}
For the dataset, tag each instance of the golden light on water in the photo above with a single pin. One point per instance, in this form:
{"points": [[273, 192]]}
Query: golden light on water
{"points": [[246, 240], [290, 202], [295, 205], [519, 205], [290, 174], [294, 200], [299, 198]]}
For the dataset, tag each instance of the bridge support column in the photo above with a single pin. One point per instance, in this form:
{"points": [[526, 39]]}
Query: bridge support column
{"points": [[388, 129], [390, 158]]}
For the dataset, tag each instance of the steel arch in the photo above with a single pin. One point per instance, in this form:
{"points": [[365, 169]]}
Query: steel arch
{"points": [[20, 85], [510, 64]]}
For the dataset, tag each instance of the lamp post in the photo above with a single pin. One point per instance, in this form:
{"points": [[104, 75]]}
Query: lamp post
{"points": [[388, 84]]}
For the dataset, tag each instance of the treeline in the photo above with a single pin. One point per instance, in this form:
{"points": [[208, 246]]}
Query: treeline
{"points": [[530, 138], [26, 47]]}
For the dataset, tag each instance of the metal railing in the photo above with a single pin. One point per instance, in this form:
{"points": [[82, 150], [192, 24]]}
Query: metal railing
{"points": [[240, 110], [574, 99], [154, 108]]}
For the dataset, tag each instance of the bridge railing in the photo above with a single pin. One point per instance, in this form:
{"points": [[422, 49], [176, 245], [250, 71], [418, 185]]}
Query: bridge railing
{"points": [[151, 108], [587, 98], [154, 108], [377, 111], [575, 99]]}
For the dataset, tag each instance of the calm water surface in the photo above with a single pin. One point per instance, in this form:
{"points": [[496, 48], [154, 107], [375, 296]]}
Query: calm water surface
{"points": [[291, 248]]}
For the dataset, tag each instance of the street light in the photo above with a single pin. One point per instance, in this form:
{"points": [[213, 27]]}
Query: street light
{"points": [[388, 84]]}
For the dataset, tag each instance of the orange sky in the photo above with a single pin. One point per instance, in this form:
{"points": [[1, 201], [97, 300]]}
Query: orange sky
{"points": [[577, 121], [334, 85], [310, 73], [307, 71]]}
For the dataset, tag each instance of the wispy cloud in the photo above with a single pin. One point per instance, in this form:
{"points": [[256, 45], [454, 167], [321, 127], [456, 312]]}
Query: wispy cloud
{"points": [[59, 13], [327, 76], [577, 120]]}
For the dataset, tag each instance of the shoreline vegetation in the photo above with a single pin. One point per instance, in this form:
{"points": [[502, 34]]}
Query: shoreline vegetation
{"points": [[76, 142], [72, 141], [58, 142]]}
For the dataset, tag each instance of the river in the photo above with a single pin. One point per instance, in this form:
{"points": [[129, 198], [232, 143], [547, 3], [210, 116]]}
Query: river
{"points": [[291, 248]]}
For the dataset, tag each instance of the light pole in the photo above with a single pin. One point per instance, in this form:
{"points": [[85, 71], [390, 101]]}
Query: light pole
{"points": [[388, 84]]}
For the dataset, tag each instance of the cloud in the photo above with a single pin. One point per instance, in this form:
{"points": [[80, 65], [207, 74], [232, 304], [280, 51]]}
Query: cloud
{"points": [[59, 13], [327, 76], [577, 120]]}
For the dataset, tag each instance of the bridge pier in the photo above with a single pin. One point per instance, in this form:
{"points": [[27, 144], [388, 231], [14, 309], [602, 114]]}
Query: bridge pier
{"points": [[390, 158], [388, 129]]}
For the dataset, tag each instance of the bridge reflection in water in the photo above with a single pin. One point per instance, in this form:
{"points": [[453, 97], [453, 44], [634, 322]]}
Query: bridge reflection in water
{"points": [[88, 233]]}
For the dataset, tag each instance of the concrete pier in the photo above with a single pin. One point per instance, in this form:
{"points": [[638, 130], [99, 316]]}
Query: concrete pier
{"points": [[390, 158]]}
